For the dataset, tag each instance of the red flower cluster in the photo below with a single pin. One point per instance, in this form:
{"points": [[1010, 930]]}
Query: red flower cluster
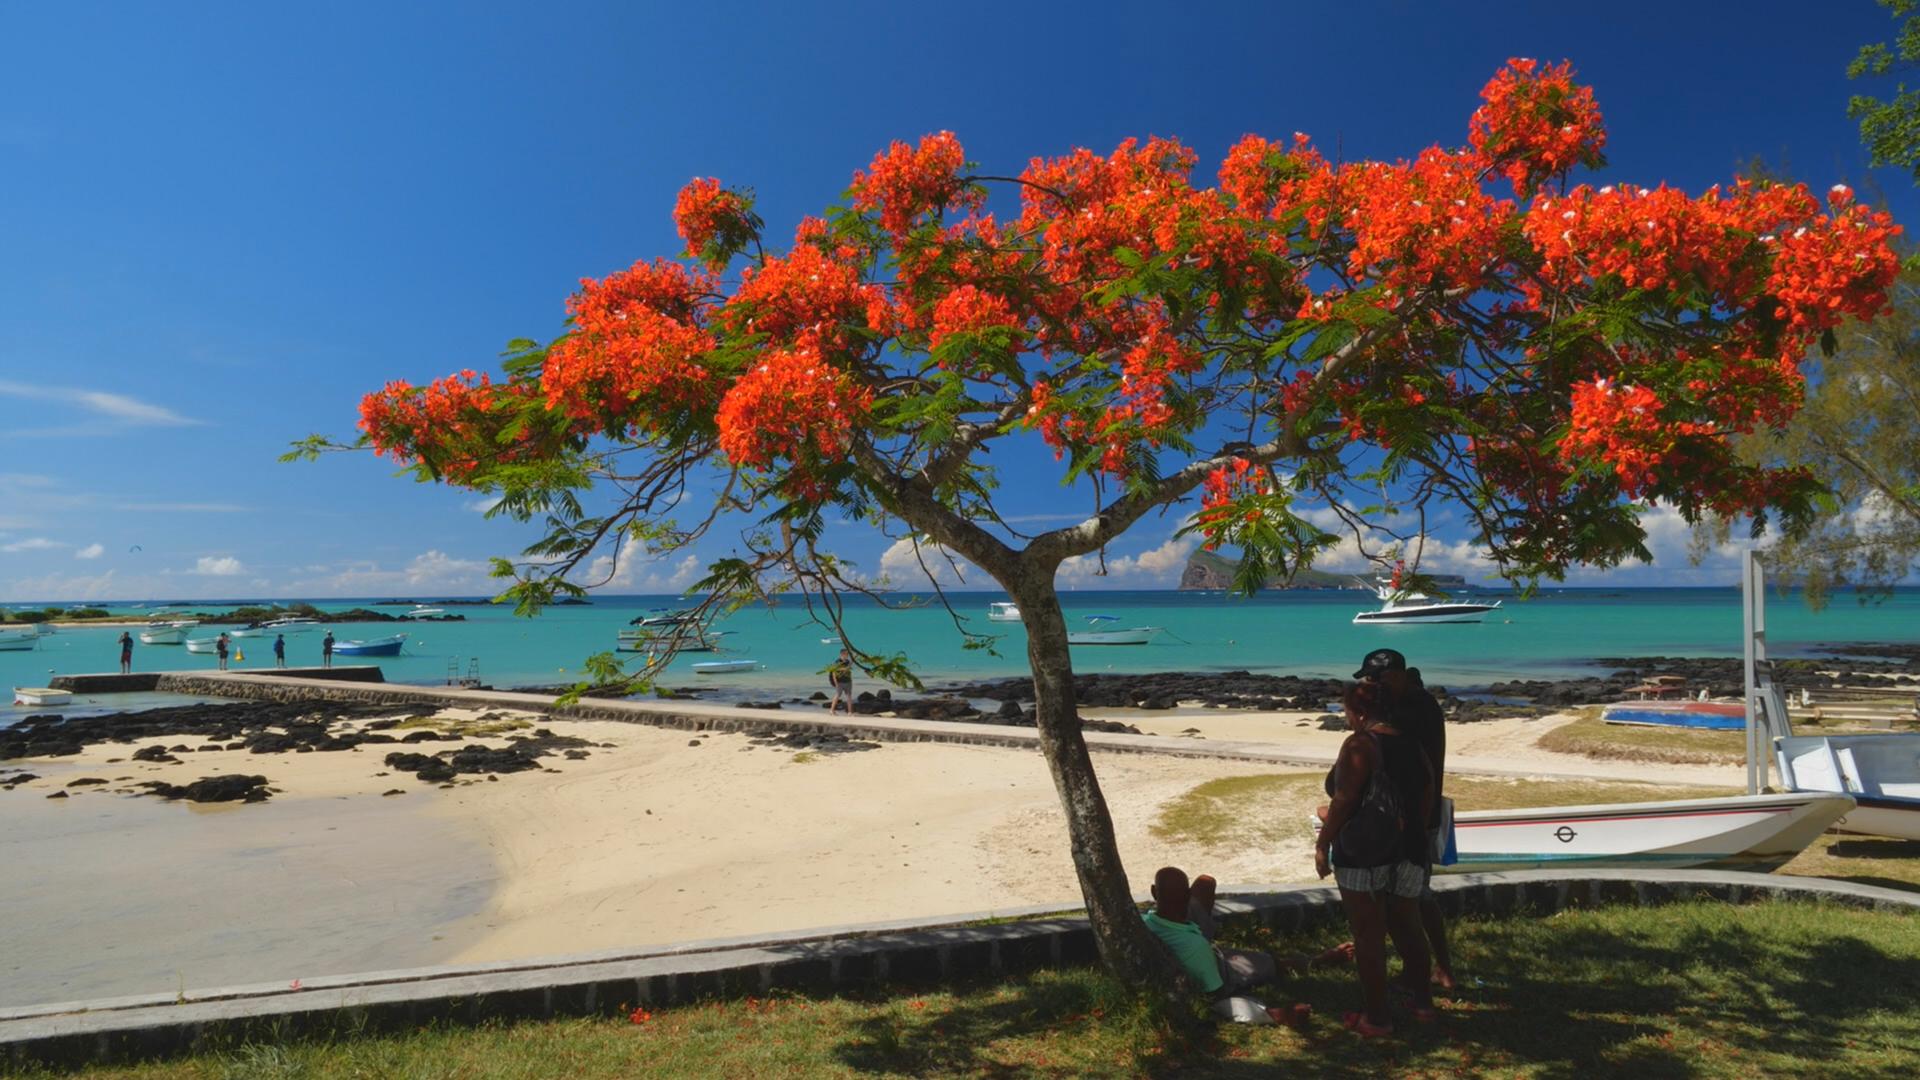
{"points": [[660, 286], [969, 310], [1222, 490], [1736, 244], [1423, 225], [808, 297], [795, 407], [1623, 426], [905, 182], [714, 221], [636, 354], [1835, 267], [449, 424], [1536, 124]]}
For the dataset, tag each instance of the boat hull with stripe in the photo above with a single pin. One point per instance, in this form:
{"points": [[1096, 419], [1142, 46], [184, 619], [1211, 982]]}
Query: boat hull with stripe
{"points": [[1744, 832]]}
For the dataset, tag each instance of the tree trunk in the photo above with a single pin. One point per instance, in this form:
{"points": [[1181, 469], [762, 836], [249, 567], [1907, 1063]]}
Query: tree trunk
{"points": [[1128, 949]]}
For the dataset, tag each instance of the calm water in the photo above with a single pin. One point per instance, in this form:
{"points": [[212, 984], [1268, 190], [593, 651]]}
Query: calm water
{"points": [[1305, 633]]}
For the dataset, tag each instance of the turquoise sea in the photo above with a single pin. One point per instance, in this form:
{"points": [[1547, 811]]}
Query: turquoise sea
{"points": [[1554, 634]]}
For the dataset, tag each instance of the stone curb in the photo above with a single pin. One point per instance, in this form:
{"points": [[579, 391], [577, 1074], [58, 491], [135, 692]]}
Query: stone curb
{"points": [[920, 953]]}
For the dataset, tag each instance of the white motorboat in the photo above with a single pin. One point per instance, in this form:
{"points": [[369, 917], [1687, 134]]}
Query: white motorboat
{"points": [[206, 645], [666, 618], [1093, 635], [1743, 832], [167, 633], [291, 624], [1398, 607], [44, 628], [424, 611], [724, 667], [21, 639], [1880, 772], [1003, 611], [32, 696], [684, 637]]}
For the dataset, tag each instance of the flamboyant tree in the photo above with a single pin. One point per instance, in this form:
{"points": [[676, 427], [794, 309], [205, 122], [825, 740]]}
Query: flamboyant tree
{"points": [[1463, 328]]}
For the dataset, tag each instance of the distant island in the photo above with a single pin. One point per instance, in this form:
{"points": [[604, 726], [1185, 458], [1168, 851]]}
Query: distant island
{"points": [[1206, 570]]}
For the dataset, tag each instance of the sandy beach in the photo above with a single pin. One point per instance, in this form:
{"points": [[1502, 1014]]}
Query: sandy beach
{"points": [[655, 836]]}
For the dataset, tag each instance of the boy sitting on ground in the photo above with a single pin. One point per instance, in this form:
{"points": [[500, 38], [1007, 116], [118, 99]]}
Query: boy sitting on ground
{"points": [[1183, 920]]}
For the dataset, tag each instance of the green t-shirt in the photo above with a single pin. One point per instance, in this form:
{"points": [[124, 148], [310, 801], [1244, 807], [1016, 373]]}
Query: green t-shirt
{"points": [[1190, 947]]}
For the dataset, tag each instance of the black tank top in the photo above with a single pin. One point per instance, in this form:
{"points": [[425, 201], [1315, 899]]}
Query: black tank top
{"points": [[1408, 771]]}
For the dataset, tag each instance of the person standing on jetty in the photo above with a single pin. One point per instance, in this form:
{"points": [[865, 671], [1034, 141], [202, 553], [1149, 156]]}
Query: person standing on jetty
{"points": [[841, 676], [1417, 712], [326, 650], [280, 650], [126, 653], [220, 650]]}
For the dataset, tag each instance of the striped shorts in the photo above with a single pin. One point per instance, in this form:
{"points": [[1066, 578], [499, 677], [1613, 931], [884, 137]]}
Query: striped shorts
{"points": [[1403, 879]]}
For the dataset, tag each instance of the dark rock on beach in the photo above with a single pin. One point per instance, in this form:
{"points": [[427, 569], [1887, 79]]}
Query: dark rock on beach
{"points": [[230, 788], [522, 752], [260, 726], [1167, 690]]}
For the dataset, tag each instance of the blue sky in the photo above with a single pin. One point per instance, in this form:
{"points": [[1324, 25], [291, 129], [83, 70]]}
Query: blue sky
{"points": [[224, 223]]}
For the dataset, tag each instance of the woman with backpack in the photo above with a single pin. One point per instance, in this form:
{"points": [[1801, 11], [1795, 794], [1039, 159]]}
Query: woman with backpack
{"points": [[1374, 842]]}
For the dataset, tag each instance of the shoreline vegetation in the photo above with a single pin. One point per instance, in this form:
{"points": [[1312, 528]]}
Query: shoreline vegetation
{"points": [[1694, 988]]}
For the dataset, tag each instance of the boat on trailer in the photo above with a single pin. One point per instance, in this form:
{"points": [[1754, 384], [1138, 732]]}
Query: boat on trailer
{"points": [[1699, 715], [1094, 635], [382, 646], [1880, 772], [1738, 832]]}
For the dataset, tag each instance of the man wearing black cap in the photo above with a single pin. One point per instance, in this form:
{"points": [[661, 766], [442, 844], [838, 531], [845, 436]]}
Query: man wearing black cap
{"points": [[1416, 712]]}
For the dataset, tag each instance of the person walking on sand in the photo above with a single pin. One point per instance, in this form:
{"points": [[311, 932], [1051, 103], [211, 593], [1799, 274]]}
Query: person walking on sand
{"points": [[280, 650], [1418, 713], [1375, 844], [220, 650], [326, 650], [126, 653], [841, 676]]}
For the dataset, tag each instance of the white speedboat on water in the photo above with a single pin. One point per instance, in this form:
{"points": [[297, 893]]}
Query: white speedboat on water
{"points": [[207, 646], [167, 633], [724, 667], [1003, 611], [21, 639], [1397, 606], [424, 611], [1880, 772], [291, 624], [1094, 634]]}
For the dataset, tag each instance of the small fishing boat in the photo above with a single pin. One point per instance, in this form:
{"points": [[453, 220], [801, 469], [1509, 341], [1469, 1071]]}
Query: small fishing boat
{"points": [[1738, 832], [206, 645], [1399, 607], [685, 637], [1003, 611], [383, 646], [167, 633], [424, 611], [1880, 772], [662, 618], [1699, 715], [32, 696], [1094, 635], [19, 640], [724, 667]]}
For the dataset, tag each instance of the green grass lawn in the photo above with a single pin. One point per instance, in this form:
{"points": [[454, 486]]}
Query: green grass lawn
{"points": [[1697, 989]]}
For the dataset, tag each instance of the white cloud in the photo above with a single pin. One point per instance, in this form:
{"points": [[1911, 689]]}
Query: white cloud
{"points": [[1155, 566], [483, 504], [900, 566], [624, 572], [91, 551], [218, 566], [435, 567], [71, 587], [32, 543], [119, 407]]}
